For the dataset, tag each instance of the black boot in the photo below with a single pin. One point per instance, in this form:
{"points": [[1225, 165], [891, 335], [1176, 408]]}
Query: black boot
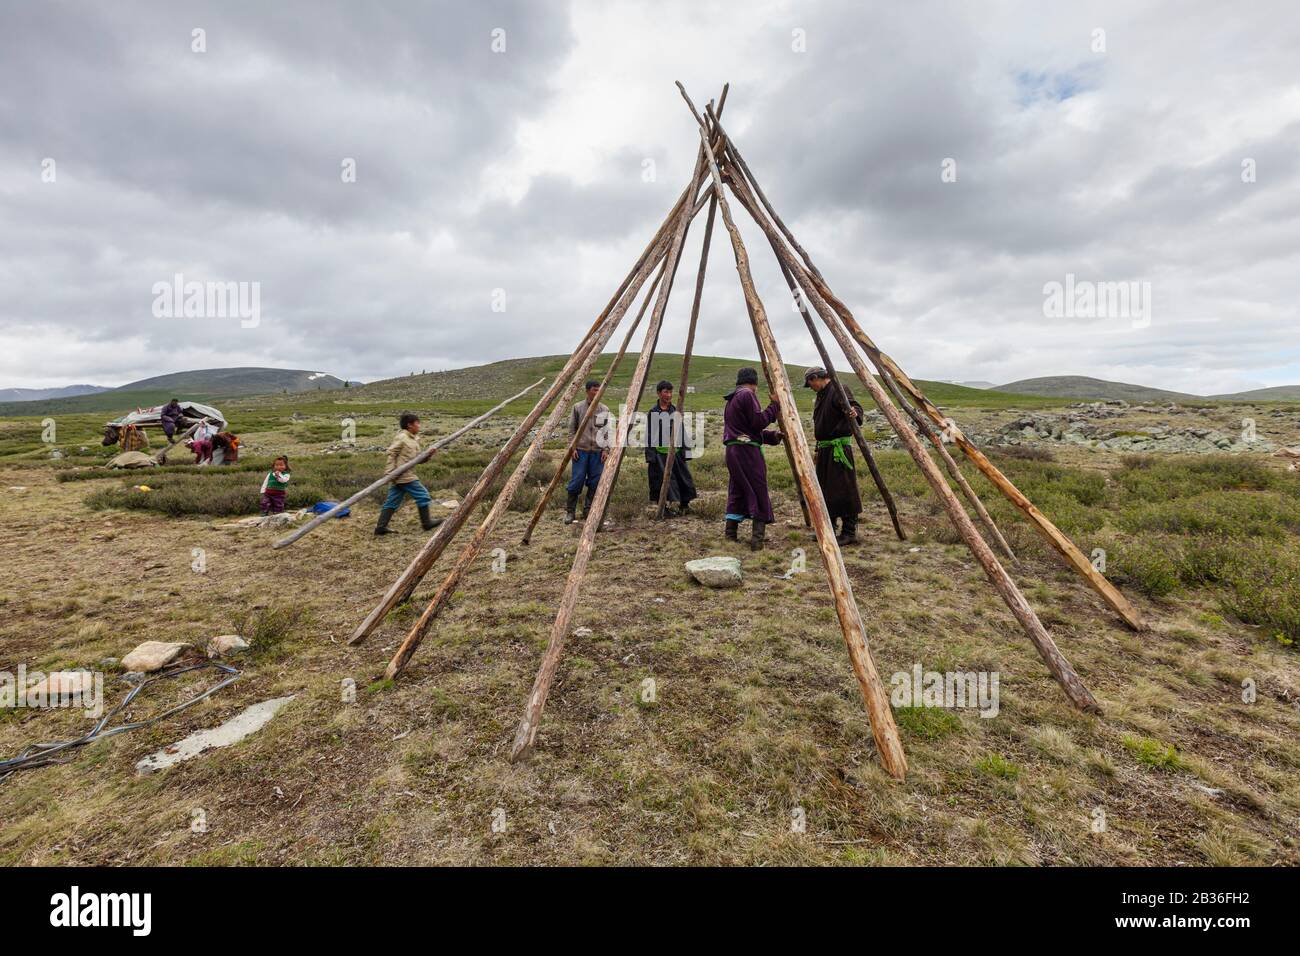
{"points": [[586, 505], [427, 523], [570, 507], [850, 533], [732, 527], [385, 515], [760, 530]]}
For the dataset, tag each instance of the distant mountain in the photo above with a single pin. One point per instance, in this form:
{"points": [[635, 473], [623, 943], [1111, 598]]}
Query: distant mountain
{"points": [[976, 384], [1278, 393], [1092, 389], [41, 394], [233, 382]]}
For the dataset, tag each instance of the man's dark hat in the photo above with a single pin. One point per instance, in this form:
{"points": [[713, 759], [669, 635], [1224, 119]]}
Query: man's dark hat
{"points": [[813, 373]]}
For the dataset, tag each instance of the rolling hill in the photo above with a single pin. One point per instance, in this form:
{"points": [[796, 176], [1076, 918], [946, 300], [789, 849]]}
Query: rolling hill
{"points": [[1091, 389], [211, 384], [41, 394]]}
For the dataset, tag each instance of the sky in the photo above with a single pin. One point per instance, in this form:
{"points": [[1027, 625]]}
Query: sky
{"points": [[421, 186]]}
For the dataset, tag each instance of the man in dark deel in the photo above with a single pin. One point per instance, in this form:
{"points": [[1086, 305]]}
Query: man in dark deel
{"points": [[833, 431], [744, 421], [664, 428]]}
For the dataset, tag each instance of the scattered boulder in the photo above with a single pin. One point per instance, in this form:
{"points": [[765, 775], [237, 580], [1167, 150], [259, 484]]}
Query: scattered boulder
{"points": [[152, 656], [715, 572], [225, 645]]}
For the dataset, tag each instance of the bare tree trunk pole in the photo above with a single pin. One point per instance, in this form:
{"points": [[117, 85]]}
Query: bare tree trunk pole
{"points": [[883, 729], [686, 361], [589, 414], [162, 453], [401, 469], [526, 732], [409, 579], [471, 549], [836, 384], [1062, 545], [1024, 613], [950, 466]]}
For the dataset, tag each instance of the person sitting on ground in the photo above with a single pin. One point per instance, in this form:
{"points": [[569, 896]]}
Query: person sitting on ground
{"points": [[404, 448], [225, 445], [171, 420], [274, 486]]}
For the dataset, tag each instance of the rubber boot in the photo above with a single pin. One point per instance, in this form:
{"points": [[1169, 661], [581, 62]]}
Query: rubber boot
{"points": [[850, 533], [570, 507], [760, 530], [586, 505], [385, 515], [427, 523], [732, 527]]}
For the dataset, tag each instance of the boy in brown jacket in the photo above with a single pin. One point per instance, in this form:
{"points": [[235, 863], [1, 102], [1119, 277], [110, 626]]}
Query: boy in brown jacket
{"points": [[404, 448]]}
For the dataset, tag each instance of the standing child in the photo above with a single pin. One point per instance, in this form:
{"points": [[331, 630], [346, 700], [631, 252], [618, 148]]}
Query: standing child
{"points": [[404, 448], [274, 485]]}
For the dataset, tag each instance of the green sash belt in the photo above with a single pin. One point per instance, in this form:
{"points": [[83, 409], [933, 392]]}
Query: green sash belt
{"points": [[839, 454], [661, 450], [743, 441]]}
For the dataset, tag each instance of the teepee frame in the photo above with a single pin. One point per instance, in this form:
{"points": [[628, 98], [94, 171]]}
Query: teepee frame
{"points": [[720, 168]]}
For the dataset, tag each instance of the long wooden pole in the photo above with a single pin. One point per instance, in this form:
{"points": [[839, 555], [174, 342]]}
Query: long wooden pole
{"points": [[843, 392], [1065, 675], [166, 449], [402, 588], [1062, 545], [883, 729], [526, 732], [402, 469], [588, 415], [950, 466], [470, 551], [686, 361]]}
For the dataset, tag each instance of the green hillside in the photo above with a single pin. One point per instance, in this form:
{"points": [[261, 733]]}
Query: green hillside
{"points": [[1083, 388]]}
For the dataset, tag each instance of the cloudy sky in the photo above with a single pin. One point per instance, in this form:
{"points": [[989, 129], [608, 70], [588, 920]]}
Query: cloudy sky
{"points": [[942, 163]]}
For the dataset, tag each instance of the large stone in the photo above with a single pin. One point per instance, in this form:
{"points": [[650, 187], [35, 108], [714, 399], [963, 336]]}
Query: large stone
{"points": [[246, 722], [151, 656], [716, 572], [63, 685], [225, 645]]}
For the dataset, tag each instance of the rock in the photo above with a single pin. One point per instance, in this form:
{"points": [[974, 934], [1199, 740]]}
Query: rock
{"points": [[151, 656], [243, 724], [582, 632], [716, 572], [225, 645]]}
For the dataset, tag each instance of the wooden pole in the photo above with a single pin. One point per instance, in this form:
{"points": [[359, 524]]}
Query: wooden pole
{"points": [[402, 469], [836, 384], [589, 414], [883, 729], [1024, 613], [163, 452], [526, 732], [402, 588], [686, 359], [950, 466], [1062, 545]]}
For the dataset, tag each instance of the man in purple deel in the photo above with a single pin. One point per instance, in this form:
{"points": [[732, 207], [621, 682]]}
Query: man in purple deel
{"points": [[744, 421]]}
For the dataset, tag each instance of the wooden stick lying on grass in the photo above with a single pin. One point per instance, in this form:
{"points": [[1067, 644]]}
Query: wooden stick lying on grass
{"points": [[419, 459]]}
